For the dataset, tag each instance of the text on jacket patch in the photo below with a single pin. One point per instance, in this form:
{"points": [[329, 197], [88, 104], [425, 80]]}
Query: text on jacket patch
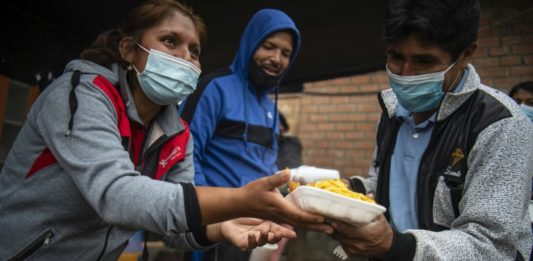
{"points": [[176, 152]]}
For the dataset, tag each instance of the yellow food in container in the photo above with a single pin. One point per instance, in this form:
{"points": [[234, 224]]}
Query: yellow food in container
{"points": [[335, 186]]}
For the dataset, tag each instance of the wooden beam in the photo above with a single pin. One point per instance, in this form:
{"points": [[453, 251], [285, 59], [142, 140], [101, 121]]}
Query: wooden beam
{"points": [[32, 96]]}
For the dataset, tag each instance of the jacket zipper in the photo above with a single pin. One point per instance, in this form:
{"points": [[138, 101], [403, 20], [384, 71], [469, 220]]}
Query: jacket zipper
{"points": [[40, 243]]}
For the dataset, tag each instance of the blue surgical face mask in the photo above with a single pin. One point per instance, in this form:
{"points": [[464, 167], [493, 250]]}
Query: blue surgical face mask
{"points": [[528, 110], [418, 93], [167, 79]]}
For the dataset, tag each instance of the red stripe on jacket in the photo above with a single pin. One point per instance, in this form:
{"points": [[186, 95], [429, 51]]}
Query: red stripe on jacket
{"points": [[44, 160], [113, 94]]}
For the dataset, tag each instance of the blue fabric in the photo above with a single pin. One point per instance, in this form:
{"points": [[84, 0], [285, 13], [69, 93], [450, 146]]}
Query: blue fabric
{"points": [[135, 243], [411, 142], [227, 162]]}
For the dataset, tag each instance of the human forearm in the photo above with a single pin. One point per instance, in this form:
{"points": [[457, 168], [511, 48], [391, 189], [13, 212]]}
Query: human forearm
{"points": [[218, 204]]}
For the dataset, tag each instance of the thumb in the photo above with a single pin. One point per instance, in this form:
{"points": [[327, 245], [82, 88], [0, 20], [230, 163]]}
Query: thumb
{"points": [[278, 179]]}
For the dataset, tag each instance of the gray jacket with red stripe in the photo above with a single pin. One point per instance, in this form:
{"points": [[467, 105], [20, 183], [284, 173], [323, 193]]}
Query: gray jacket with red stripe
{"points": [[81, 196]]}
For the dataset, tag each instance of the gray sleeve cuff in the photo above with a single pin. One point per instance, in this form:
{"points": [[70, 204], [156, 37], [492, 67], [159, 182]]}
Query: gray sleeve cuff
{"points": [[358, 184]]}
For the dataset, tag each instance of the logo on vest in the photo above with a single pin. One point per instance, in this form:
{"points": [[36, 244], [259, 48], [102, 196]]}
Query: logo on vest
{"points": [[176, 152], [457, 155]]}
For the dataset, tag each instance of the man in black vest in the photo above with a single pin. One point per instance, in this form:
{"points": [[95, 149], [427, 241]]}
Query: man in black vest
{"points": [[453, 156]]}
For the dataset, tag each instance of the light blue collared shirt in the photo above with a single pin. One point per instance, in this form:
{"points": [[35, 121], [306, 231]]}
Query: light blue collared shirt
{"points": [[411, 142]]}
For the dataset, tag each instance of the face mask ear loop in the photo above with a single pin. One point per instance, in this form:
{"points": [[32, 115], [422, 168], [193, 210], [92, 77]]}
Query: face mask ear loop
{"points": [[142, 47], [448, 89], [453, 83], [456, 77]]}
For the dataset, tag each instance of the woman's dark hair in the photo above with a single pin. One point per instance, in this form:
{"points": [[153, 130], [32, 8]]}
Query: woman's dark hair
{"points": [[105, 50], [526, 86], [450, 24]]}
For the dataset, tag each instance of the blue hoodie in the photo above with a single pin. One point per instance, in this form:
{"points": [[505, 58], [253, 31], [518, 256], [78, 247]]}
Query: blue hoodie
{"points": [[233, 125]]}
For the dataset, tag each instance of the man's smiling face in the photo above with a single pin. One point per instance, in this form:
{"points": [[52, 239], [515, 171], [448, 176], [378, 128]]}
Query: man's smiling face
{"points": [[273, 55]]}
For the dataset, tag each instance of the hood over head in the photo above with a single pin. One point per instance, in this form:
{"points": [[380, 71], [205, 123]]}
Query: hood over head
{"points": [[264, 23]]}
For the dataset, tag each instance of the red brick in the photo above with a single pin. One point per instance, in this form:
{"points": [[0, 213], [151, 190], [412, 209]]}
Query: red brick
{"points": [[340, 81], [366, 107], [305, 100], [363, 163], [498, 51], [505, 83], [318, 117], [350, 89], [369, 88], [356, 117], [356, 154], [337, 135], [323, 144], [507, 40], [337, 117], [484, 32], [346, 108], [325, 127], [364, 126], [360, 79], [309, 109], [352, 135], [307, 127], [489, 41], [340, 99], [327, 108], [345, 126], [522, 28], [484, 20], [363, 98], [311, 134], [510, 60], [522, 70], [481, 52], [526, 78], [494, 72], [523, 49], [482, 62], [528, 59], [383, 87], [344, 145], [487, 81], [380, 78], [314, 152], [364, 145], [319, 99]]}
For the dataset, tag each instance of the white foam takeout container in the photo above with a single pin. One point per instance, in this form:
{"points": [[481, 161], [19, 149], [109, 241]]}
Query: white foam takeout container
{"points": [[335, 206]]}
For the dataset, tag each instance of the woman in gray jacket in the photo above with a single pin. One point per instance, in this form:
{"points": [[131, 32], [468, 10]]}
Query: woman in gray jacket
{"points": [[103, 154]]}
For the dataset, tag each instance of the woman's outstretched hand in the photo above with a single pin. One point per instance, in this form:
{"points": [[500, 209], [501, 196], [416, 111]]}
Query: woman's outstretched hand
{"points": [[249, 233]]}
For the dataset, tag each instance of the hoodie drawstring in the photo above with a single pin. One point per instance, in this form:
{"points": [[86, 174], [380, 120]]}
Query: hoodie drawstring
{"points": [[275, 117], [245, 133]]}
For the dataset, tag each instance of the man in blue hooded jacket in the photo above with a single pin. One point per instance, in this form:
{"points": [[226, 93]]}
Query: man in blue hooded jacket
{"points": [[233, 120]]}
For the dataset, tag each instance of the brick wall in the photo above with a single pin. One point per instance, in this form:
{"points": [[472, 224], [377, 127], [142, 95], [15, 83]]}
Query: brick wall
{"points": [[505, 53], [336, 119]]}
